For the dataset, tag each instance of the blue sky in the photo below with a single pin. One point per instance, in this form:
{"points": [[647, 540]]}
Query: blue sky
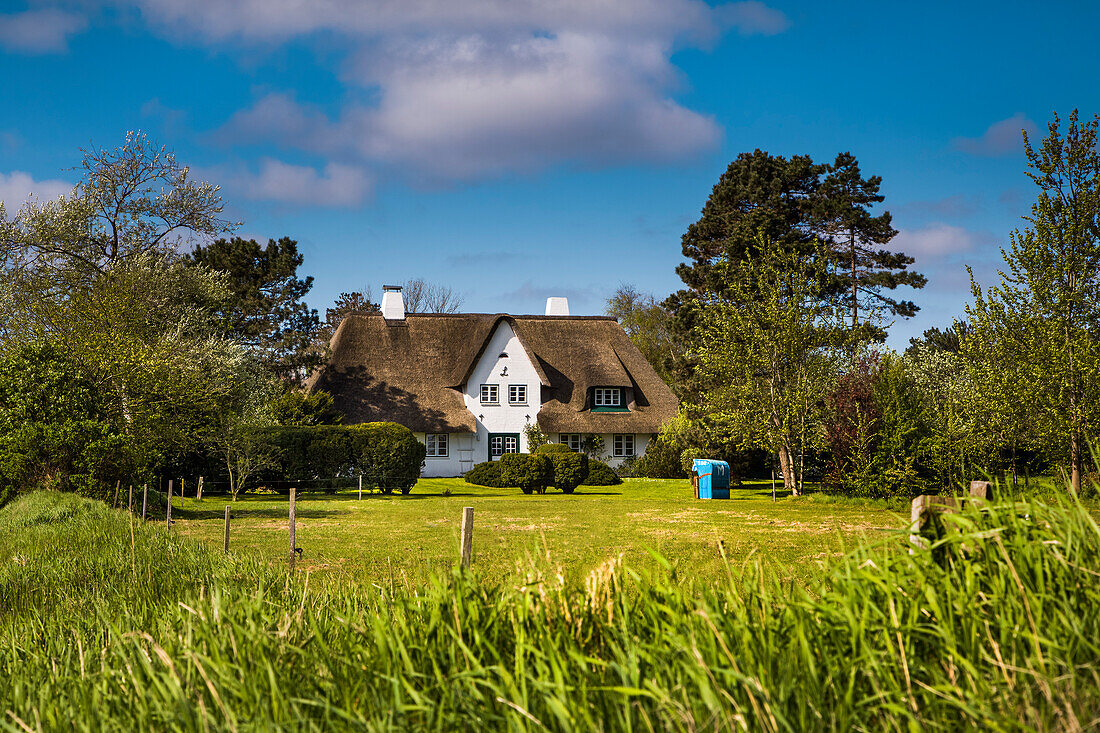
{"points": [[516, 150]]}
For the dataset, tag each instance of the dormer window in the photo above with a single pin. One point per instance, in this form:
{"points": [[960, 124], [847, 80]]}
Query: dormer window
{"points": [[608, 398]]}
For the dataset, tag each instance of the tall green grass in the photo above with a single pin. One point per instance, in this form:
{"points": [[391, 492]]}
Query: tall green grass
{"points": [[995, 626]]}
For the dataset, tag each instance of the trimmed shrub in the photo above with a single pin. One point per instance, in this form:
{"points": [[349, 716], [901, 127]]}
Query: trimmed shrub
{"points": [[387, 455], [570, 467], [661, 460], [526, 471], [486, 474], [601, 474]]}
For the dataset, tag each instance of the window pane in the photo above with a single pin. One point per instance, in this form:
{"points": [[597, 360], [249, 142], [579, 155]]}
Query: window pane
{"points": [[441, 444], [496, 445], [511, 445]]}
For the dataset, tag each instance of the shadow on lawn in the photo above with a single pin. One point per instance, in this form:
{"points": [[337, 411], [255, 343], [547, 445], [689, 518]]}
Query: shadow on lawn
{"points": [[242, 509]]}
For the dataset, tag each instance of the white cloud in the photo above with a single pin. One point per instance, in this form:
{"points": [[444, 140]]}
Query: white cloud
{"points": [[934, 241], [17, 186], [1000, 138], [219, 20], [46, 30], [753, 17], [337, 185], [470, 108], [478, 89]]}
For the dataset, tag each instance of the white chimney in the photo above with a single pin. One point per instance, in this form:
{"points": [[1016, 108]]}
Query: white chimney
{"points": [[393, 304], [557, 306]]}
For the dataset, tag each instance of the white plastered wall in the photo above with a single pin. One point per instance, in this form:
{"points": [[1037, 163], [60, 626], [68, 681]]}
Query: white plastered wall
{"points": [[641, 441], [503, 417]]}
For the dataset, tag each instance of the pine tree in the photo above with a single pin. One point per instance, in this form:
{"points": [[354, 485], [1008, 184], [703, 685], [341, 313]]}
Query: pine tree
{"points": [[857, 239]]}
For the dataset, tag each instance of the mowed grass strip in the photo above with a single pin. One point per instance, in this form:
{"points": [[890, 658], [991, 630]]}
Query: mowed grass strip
{"points": [[404, 539]]}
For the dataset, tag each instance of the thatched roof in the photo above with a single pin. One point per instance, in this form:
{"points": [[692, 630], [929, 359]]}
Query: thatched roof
{"points": [[412, 371]]}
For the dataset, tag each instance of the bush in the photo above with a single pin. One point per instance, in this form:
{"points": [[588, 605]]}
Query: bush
{"points": [[486, 474], [526, 471], [601, 474], [385, 454], [570, 467], [661, 460]]}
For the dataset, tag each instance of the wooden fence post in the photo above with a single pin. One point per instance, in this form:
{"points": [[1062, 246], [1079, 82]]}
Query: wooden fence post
{"points": [[981, 491], [144, 500], [114, 502], [922, 508], [225, 539], [360, 487], [183, 487], [168, 512], [292, 547], [198, 494], [130, 501], [467, 535]]}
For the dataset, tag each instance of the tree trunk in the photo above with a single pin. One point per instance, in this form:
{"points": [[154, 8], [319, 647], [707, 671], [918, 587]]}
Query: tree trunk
{"points": [[787, 467]]}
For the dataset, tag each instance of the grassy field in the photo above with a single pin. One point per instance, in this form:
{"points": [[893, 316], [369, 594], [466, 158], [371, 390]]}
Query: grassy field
{"points": [[403, 539], [108, 624]]}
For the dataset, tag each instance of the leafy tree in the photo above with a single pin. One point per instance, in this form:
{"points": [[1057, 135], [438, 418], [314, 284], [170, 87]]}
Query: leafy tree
{"points": [[857, 238], [949, 339], [647, 324], [760, 197], [300, 409], [133, 201], [266, 313], [767, 349], [791, 203], [98, 276], [1035, 333], [347, 304]]}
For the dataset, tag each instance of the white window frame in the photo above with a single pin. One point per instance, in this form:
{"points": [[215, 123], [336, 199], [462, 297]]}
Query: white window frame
{"points": [[437, 445], [520, 393], [493, 392], [602, 397], [571, 440], [493, 443], [622, 442], [511, 444]]}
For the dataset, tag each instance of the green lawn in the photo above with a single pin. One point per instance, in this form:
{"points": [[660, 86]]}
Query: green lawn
{"points": [[402, 539]]}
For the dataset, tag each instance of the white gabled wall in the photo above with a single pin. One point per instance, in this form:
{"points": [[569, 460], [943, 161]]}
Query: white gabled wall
{"points": [[502, 418]]}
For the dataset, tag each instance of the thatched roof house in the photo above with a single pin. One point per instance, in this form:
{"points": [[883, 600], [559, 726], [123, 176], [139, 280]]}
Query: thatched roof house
{"points": [[469, 383]]}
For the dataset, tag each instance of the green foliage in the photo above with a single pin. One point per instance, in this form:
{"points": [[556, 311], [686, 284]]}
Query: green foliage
{"points": [[857, 242], [1034, 350], [347, 304], [593, 445], [293, 408], [527, 472], [486, 474], [535, 436], [265, 312], [648, 325], [324, 655], [661, 460], [767, 349], [570, 467], [386, 455], [601, 474], [53, 431]]}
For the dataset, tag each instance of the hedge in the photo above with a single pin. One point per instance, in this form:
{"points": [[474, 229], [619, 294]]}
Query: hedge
{"points": [[528, 472], [486, 474], [601, 474], [385, 454], [570, 467]]}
